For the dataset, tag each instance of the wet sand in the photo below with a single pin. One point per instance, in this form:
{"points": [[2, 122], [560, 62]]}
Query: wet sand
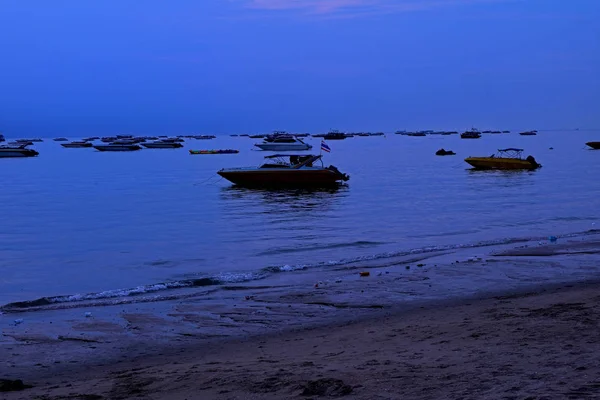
{"points": [[351, 337]]}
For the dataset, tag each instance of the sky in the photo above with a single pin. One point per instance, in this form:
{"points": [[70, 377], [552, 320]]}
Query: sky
{"points": [[72, 67]]}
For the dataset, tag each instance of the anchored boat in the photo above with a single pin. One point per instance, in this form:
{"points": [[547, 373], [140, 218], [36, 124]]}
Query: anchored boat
{"points": [[162, 144], [282, 170], [505, 159], [17, 151], [117, 147], [77, 144], [283, 143], [472, 134], [594, 145]]}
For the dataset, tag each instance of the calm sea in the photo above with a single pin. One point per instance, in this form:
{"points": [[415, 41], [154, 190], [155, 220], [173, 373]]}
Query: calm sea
{"points": [[81, 221]]}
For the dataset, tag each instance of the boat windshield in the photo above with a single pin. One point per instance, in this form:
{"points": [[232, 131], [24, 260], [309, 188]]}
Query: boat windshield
{"points": [[290, 160]]}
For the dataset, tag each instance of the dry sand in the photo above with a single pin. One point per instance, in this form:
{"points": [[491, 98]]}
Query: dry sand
{"points": [[345, 341]]}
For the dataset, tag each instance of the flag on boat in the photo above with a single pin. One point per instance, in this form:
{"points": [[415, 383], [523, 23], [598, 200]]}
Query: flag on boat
{"points": [[324, 147]]}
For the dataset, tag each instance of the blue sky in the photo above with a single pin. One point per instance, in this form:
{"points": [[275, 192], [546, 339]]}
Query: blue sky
{"points": [[230, 66]]}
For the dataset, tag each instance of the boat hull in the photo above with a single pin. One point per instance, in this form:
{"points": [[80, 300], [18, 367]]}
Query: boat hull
{"points": [[76, 145], [133, 147], [13, 153], [282, 177], [284, 146], [174, 145], [214, 151], [594, 145], [500, 163]]}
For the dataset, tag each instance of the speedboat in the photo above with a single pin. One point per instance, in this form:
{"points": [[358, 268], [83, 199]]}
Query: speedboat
{"points": [[162, 144], [17, 151], [472, 134], [506, 159], [117, 147], [283, 143], [76, 144], [282, 170], [528, 133], [225, 151], [594, 145]]}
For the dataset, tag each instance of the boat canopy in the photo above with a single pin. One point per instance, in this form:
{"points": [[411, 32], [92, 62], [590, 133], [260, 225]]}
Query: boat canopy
{"points": [[510, 149]]}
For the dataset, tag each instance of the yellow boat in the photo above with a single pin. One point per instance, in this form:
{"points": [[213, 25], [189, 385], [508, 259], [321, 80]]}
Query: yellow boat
{"points": [[505, 159]]}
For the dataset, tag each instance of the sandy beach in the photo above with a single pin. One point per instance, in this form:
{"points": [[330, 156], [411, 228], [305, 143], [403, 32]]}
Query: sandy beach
{"points": [[351, 337]]}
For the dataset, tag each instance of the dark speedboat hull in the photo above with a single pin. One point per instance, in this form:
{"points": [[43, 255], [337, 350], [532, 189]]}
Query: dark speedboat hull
{"points": [[17, 152], [594, 145], [500, 163], [283, 177], [166, 145], [119, 147]]}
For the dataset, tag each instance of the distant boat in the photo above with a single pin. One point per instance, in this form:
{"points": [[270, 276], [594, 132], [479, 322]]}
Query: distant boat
{"points": [[90, 139], [528, 133], [60, 139], [204, 137], [117, 147], [594, 145], [335, 135], [505, 159], [226, 151], [443, 152], [2, 139], [162, 144], [77, 144], [472, 134], [505, 131], [284, 144], [281, 170], [17, 151]]}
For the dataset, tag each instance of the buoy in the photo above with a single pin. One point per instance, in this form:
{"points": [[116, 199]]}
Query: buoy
{"points": [[365, 273]]}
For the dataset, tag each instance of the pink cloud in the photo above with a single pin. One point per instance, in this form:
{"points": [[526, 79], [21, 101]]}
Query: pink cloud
{"points": [[356, 7]]}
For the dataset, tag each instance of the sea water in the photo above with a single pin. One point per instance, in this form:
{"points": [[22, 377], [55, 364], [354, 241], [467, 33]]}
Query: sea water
{"points": [[78, 222]]}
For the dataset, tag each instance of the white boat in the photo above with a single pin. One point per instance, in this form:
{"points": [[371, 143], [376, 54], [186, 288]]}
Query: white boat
{"points": [[284, 144]]}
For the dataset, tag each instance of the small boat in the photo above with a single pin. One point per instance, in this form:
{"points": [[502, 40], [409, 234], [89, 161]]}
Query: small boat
{"points": [[443, 152], [288, 143], [417, 134], [22, 142], [505, 159], [108, 139], [162, 144], [77, 144], [90, 139], [282, 170], [226, 151], [17, 151], [505, 131], [335, 135], [257, 136], [117, 147], [594, 145], [61, 139], [205, 137], [472, 134], [528, 133]]}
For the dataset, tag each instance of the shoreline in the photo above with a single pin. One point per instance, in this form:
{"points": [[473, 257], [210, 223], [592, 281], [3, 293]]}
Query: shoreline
{"points": [[51, 346], [513, 345]]}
